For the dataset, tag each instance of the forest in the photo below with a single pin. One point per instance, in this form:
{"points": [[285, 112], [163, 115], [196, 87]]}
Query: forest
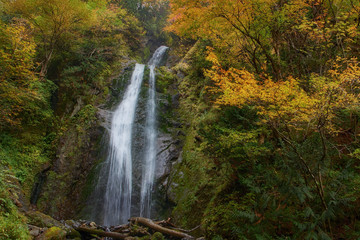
{"points": [[260, 99]]}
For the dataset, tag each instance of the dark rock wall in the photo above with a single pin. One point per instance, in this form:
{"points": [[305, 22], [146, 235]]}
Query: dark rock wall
{"points": [[82, 147]]}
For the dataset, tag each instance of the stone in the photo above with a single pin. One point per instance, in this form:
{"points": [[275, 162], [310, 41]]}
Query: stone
{"points": [[72, 223], [73, 234], [42, 220], [104, 117], [35, 231], [53, 233], [168, 151]]}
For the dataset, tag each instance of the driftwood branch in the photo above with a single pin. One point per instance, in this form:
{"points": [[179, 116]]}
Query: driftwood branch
{"points": [[149, 223], [102, 233]]}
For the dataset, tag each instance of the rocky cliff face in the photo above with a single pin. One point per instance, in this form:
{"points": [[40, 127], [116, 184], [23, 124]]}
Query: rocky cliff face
{"points": [[69, 181], [66, 191]]}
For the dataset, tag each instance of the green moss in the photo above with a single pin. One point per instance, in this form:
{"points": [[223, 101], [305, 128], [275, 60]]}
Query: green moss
{"points": [[55, 233], [157, 236], [85, 117], [41, 220]]}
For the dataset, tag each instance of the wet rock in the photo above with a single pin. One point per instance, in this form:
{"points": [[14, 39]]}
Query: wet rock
{"points": [[104, 117], [168, 151]]}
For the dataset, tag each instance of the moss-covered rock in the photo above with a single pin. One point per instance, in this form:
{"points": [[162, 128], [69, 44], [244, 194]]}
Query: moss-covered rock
{"points": [[53, 233], [41, 220], [73, 234]]}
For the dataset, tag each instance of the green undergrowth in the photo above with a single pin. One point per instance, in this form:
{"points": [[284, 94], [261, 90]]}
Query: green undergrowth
{"points": [[12, 222], [25, 155], [164, 80]]}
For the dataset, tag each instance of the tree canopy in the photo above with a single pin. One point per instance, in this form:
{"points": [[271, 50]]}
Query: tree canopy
{"points": [[293, 68]]}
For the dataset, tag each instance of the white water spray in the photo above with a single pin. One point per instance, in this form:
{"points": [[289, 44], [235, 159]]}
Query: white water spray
{"points": [[148, 172], [117, 202]]}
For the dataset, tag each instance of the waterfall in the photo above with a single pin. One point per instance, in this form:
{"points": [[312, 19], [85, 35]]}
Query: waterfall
{"points": [[117, 201], [148, 171], [119, 192]]}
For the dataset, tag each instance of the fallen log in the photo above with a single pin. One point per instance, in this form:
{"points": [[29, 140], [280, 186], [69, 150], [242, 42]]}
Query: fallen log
{"points": [[149, 223], [102, 233]]}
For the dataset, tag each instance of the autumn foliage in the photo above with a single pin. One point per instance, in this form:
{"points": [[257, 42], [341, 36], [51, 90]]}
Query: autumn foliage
{"points": [[296, 65], [17, 80], [286, 102]]}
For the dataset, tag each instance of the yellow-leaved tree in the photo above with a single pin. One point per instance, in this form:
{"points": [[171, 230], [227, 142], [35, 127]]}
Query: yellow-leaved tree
{"points": [[17, 79], [55, 22], [292, 113]]}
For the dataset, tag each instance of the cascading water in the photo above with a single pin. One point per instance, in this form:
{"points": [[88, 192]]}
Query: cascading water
{"points": [[148, 172], [117, 202], [117, 193]]}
